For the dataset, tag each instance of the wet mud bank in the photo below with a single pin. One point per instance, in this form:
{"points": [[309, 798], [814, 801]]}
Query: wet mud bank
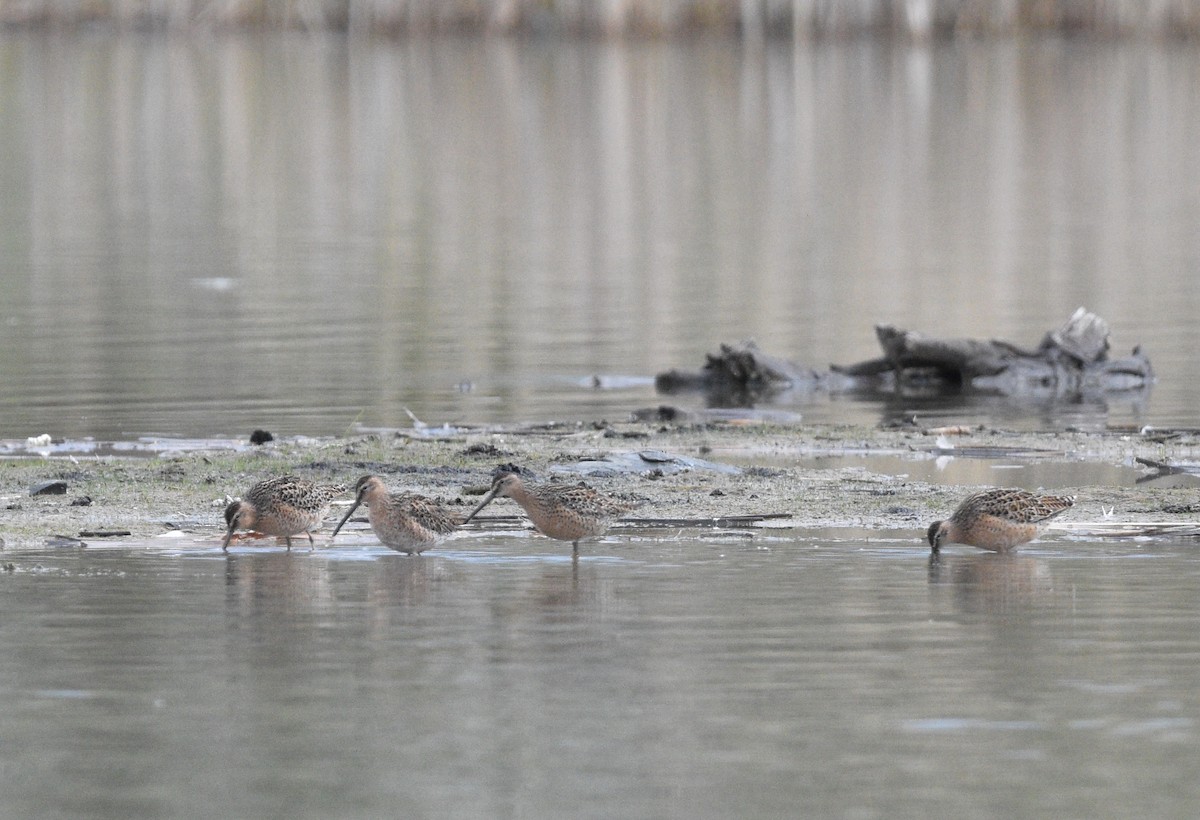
{"points": [[699, 473]]}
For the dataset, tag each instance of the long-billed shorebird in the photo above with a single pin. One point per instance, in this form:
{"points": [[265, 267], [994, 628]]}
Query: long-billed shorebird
{"points": [[283, 506], [567, 513], [406, 522], [998, 519]]}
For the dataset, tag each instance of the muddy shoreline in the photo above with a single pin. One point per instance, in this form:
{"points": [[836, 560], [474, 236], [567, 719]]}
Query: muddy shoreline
{"points": [[741, 469]]}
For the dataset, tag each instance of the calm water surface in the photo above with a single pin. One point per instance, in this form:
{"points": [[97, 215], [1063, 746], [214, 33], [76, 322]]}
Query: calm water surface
{"points": [[201, 236], [800, 674]]}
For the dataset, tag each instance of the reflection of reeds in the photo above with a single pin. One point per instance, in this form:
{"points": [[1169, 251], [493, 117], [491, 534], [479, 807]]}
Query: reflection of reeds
{"points": [[748, 18]]}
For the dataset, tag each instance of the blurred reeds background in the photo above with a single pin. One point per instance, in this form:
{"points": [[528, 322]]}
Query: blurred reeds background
{"points": [[750, 19]]}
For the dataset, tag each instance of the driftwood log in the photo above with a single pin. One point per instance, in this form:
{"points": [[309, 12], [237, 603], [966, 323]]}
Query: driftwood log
{"points": [[739, 366], [1070, 362]]}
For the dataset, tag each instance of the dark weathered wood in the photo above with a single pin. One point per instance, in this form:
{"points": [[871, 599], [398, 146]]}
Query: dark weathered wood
{"points": [[740, 365], [740, 374], [1074, 356], [1071, 360], [1084, 336], [719, 522], [1162, 468]]}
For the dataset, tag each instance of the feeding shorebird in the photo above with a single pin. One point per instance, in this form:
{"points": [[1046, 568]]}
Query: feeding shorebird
{"points": [[998, 519], [284, 506], [565, 513], [403, 521]]}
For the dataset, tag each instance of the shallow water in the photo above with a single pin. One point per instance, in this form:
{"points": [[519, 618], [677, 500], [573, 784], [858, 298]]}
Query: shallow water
{"points": [[793, 673], [309, 235], [204, 236]]}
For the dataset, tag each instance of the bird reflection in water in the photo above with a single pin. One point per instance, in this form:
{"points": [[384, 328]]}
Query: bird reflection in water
{"points": [[405, 583], [1003, 583], [274, 583]]}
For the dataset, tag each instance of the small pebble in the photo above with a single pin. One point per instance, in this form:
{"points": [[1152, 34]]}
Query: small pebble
{"points": [[49, 488], [483, 449]]}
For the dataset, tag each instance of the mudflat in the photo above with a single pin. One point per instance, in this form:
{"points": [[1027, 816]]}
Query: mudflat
{"points": [[748, 474]]}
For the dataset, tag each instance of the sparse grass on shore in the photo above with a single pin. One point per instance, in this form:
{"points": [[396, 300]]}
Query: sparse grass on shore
{"points": [[150, 496]]}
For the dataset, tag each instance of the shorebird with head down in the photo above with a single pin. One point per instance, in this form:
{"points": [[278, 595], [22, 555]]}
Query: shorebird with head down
{"points": [[283, 506], [998, 519]]}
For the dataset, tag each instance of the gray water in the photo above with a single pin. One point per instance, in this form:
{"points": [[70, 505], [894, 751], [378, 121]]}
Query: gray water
{"points": [[698, 675], [205, 235], [805, 675], [201, 236]]}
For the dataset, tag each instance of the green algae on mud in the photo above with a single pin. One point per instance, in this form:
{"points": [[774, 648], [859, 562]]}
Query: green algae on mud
{"points": [[182, 490]]}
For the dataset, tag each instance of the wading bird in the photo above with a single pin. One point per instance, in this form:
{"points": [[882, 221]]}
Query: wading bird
{"points": [[403, 521], [997, 519], [283, 506], [567, 513]]}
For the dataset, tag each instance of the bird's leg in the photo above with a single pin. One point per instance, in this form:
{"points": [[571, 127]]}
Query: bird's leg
{"points": [[287, 539]]}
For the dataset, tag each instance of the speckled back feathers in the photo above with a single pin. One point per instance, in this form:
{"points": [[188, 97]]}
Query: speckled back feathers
{"points": [[292, 491], [998, 519], [425, 511], [284, 506], [406, 522], [1018, 506], [564, 512]]}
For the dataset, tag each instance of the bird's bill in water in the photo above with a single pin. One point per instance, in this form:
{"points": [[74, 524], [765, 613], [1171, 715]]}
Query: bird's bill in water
{"points": [[346, 517], [933, 535], [487, 499], [229, 534]]}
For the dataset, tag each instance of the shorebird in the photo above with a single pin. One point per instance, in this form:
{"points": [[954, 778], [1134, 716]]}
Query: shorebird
{"points": [[565, 513], [997, 519], [284, 506], [403, 521]]}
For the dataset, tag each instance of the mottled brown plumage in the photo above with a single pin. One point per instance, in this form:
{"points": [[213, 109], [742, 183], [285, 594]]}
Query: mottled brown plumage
{"points": [[998, 519], [283, 506], [403, 521], [567, 513]]}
